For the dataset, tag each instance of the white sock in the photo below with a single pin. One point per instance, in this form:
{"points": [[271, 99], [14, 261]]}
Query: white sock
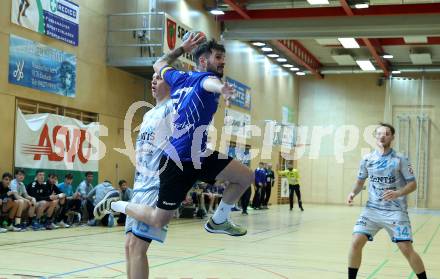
{"points": [[119, 206], [222, 212], [17, 221]]}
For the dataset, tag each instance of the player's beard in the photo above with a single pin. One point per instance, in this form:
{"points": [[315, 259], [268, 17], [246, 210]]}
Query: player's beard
{"points": [[213, 69]]}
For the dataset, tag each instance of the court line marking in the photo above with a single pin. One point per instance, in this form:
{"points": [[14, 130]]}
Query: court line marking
{"points": [[80, 235], [22, 271], [121, 261], [386, 260], [296, 227], [256, 267], [82, 270], [426, 248], [61, 237], [378, 269], [68, 258], [190, 257]]}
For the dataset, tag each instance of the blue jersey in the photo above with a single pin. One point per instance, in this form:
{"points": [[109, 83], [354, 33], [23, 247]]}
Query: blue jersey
{"points": [[66, 189], [260, 176], [390, 171], [194, 108]]}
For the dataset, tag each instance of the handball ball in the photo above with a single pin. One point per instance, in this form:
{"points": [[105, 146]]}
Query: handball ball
{"points": [[187, 34]]}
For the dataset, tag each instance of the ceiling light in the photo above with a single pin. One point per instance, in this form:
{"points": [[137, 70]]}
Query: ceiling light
{"points": [[343, 58], [359, 4], [415, 39], [217, 12], [349, 42], [287, 65], [281, 59], [327, 41], [294, 69], [362, 6], [388, 56], [266, 49], [396, 72], [300, 73], [258, 44], [420, 56], [273, 55], [318, 2], [366, 65]]}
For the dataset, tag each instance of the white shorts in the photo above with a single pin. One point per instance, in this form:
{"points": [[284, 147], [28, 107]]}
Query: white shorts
{"points": [[396, 223], [140, 229]]}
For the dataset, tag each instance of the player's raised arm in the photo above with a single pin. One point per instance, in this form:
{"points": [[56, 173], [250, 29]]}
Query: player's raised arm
{"points": [[187, 46]]}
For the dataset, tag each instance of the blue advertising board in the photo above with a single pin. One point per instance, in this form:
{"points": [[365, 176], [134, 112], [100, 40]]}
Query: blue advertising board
{"points": [[38, 66], [242, 96]]}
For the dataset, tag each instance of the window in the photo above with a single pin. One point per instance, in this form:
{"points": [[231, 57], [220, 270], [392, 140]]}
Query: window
{"points": [[33, 107]]}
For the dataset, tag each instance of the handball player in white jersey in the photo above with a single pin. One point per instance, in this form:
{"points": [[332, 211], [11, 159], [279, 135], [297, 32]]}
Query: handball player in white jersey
{"points": [[153, 136], [391, 179]]}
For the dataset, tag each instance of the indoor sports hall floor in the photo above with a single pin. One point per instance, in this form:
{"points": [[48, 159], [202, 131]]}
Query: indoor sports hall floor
{"points": [[280, 244]]}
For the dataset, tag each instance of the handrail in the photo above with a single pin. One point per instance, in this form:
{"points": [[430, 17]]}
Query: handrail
{"points": [[133, 45], [135, 39], [142, 13], [135, 29]]}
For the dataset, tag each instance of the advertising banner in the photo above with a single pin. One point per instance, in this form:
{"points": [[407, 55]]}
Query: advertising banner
{"points": [[58, 19], [55, 142], [237, 123], [35, 65], [242, 96], [174, 32]]}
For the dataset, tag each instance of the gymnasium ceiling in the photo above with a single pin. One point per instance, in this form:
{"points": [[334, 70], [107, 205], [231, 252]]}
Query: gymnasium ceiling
{"points": [[307, 35]]}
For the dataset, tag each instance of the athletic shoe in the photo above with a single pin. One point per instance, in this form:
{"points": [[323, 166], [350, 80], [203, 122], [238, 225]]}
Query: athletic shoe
{"points": [[36, 226], [74, 218], [227, 227], [62, 225], [51, 226], [77, 218], [13, 228], [245, 213], [2, 230], [91, 223], [111, 220], [104, 206], [23, 227]]}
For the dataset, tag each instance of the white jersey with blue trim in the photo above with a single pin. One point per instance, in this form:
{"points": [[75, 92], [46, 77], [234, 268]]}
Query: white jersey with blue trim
{"points": [[150, 143], [389, 171]]}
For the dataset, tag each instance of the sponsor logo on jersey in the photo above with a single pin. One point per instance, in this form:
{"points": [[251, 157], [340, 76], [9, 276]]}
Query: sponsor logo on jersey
{"points": [[383, 179]]}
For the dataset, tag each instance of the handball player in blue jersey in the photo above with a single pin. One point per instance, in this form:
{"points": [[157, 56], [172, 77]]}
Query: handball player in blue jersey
{"points": [[391, 179], [195, 96]]}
